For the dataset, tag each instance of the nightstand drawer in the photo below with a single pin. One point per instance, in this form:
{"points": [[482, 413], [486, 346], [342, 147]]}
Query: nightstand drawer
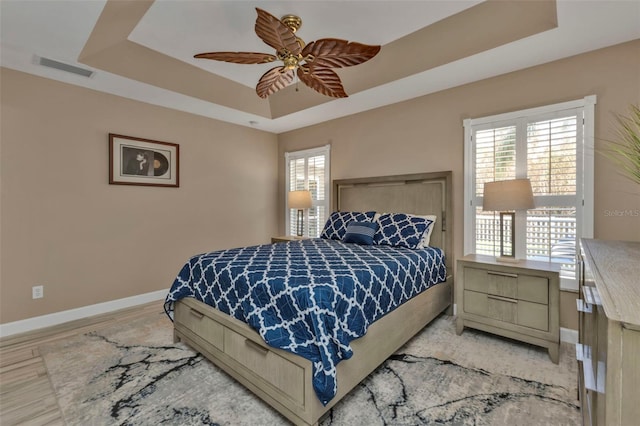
{"points": [[509, 310], [533, 289], [491, 282], [507, 284]]}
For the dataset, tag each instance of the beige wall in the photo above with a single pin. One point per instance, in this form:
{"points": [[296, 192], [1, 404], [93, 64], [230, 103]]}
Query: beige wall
{"points": [[426, 134], [88, 242], [568, 311], [63, 225]]}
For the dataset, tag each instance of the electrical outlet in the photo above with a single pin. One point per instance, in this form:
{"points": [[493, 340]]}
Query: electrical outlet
{"points": [[37, 292]]}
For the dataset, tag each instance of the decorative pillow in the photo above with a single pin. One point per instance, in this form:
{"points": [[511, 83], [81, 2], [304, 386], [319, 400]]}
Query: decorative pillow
{"points": [[426, 238], [336, 225], [360, 233], [401, 230]]}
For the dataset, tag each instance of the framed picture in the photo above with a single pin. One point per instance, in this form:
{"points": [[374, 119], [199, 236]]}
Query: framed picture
{"points": [[137, 161]]}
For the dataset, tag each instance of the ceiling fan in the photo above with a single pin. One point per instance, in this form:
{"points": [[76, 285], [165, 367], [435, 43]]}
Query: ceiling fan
{"points": [[312, 63]]}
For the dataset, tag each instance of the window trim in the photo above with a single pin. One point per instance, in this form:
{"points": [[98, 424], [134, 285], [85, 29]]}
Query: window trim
{"points": [[306, 153], [584, 168]]}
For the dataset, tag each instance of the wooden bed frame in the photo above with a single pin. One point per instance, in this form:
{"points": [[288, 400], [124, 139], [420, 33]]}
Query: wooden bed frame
{"points": [[283, 379]]}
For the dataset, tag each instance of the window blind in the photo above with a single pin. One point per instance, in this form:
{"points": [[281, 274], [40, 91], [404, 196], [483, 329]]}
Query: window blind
{"points": [[309, 170], [495, 159], [546, 145]]}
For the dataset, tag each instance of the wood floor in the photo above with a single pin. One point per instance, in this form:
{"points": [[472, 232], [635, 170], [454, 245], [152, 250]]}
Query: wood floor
{"points": [[26, 395]]}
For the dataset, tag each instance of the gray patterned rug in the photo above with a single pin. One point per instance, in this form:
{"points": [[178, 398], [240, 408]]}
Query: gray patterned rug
{"points": [[135, 375]]}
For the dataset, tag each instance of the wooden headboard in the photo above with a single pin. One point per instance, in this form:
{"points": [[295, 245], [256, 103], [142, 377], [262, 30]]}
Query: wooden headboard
{"points": [[423, 193]]}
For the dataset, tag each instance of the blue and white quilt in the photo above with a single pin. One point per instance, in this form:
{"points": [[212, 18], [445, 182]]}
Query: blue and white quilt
{"points": [[310, 297]]}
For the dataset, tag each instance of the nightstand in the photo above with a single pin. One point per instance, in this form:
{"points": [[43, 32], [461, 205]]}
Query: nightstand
{"points": [[285, 238], [520, 301]]}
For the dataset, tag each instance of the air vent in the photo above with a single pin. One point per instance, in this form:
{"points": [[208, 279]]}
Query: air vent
{"points": [[45, 62]]}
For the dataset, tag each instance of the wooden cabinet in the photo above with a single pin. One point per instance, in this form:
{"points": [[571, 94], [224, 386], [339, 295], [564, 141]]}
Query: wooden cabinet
{"points": [[608, 348], [519, 300]]}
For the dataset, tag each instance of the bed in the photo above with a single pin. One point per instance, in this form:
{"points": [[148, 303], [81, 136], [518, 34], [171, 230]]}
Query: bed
{"points": [[294, 384]]}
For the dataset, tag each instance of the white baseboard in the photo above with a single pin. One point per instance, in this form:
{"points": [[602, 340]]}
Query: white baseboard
{"points": [[48, 320], [568, 335]]}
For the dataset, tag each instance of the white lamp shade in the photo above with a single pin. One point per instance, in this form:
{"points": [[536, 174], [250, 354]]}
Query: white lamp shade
{"points": [[299, 199], [515, 194]]}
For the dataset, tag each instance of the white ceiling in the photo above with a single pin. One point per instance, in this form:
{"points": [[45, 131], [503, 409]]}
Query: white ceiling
{"points": [[59, 29], [213, 26]]}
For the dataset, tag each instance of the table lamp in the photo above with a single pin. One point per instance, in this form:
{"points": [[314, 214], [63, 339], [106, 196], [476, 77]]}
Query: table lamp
{"points": [[506, 196], [299, 200]]}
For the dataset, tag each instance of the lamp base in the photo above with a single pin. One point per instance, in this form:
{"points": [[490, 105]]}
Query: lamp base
{"points": [[507, 221], [300, 223]]}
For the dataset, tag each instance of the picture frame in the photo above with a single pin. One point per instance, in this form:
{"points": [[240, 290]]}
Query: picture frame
{"points": [[145, 162]]}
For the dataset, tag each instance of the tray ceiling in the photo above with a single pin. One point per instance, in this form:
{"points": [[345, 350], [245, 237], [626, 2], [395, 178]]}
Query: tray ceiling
{"points": [[144, 50]]}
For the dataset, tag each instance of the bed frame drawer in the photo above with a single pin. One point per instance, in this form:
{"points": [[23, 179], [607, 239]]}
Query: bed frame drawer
{"points": [[196, 321], [263, 361]]}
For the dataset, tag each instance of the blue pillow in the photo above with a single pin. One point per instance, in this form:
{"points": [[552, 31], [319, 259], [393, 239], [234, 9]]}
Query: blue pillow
{"points": [[336, 225], [360, 233], [401, 230]]}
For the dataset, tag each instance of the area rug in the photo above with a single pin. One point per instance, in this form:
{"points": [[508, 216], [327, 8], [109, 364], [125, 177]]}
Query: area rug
{"points": [[134, 374]]}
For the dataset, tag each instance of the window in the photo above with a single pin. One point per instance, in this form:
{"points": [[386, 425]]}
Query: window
{"points": [[309, 169], [553, 147]]}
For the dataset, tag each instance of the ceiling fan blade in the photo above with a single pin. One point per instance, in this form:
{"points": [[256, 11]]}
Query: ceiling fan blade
{"points": [[238, 57], [275, 33], [337, 53], [273, 80], [322, 80]]}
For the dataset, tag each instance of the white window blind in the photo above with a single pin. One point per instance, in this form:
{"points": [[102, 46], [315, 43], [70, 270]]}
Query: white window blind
{"points": [[552, 147], [495, 159], [309, 170], [552, 167]]}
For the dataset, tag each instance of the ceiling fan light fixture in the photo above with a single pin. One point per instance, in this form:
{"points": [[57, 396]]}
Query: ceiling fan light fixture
{"points": [[312, 62], [291, 62]]}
